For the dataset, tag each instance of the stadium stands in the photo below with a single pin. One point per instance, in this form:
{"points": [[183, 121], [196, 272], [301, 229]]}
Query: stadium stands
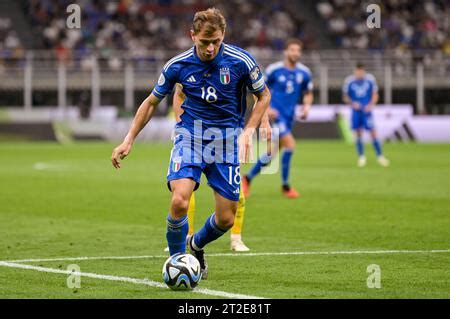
{"points": [[405, 24], [143, 34]]}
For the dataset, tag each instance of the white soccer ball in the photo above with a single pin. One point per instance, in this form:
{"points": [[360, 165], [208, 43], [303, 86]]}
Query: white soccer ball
{"points": [[181, 272]]}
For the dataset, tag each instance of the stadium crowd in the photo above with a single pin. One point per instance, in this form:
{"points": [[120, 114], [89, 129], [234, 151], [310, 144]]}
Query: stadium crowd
{"points": [[145, 28], [405, 24], [137, 26], [11, 47]]}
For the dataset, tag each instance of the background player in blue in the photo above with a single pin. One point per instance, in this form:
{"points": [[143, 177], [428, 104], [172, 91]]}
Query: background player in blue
{"points": [[214, 77], [290, 82], [360, 91]]}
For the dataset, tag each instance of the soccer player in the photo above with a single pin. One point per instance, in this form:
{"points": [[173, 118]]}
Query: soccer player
{"points": [[360, 91], [236, 231], [215, 77], [290, 82]]}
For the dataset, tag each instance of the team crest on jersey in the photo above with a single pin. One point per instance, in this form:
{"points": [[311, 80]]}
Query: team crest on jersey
{"points": [[161, 80], [176, 164], [225, 76], [254, 74]]}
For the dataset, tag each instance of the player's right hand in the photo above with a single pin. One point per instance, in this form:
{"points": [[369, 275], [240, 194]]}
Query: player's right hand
{"points": [[273, 113], [245, 143], [119, 153], [265, 131]]}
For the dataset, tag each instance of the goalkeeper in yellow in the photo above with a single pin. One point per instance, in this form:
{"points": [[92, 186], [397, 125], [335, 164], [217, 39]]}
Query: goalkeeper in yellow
{"points": [[236, 231]]}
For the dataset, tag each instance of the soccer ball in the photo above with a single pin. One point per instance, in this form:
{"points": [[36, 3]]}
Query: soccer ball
{"points": [[181, 272]]}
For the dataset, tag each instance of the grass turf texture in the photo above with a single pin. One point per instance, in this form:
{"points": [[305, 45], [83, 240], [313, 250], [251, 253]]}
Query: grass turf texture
{"points": [[68, 201]]}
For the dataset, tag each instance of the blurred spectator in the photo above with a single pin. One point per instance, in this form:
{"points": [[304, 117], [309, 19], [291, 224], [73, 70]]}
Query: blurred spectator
{"points": [[138, 26], [405, 24]]}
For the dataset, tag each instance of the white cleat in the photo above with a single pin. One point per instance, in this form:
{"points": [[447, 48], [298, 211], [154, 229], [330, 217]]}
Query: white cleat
{"points": [[237, 244], [362, 161], [383, 161]]}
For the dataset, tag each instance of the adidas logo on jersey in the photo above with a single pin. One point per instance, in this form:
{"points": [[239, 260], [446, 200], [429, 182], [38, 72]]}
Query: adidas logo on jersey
{"points": [[191, 79]]}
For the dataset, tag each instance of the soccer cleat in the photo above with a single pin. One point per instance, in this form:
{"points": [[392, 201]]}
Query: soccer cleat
{"points": [[237, 244], [362, 161], [383, 161], [245, 184], [200, 255], [289, 192]]}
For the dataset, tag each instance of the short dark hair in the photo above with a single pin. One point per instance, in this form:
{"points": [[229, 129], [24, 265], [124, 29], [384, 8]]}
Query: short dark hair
{"points": [[292, 41], [360, 65]]}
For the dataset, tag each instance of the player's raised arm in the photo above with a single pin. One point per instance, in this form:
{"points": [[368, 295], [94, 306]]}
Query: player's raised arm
{"points": [[143, 115]]}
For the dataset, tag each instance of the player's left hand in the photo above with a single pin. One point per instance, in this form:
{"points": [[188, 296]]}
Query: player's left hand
{"points": [[265, 132], [368, 109], [119, 153], [245, 143]]}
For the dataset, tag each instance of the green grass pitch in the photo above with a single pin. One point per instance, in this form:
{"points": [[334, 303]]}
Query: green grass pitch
{"points": [[67, 201]]}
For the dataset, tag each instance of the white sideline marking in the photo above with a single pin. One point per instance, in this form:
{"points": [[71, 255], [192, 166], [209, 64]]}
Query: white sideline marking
{"points": [[40, 166], [350, 252], [146, 282]]}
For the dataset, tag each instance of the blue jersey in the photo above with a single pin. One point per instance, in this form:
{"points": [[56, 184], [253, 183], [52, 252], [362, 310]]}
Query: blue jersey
{"points": [[287, 87], [215, 95], [360, 90], [215, 90]]}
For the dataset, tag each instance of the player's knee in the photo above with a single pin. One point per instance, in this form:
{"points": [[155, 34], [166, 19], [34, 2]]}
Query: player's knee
{"points": [[290, 148], [226, 222], [179, 205], [226, 219]]}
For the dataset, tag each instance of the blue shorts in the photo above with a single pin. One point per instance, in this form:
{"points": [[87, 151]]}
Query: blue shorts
{"points": [[361, 119], [223, 176], [284, 126]]}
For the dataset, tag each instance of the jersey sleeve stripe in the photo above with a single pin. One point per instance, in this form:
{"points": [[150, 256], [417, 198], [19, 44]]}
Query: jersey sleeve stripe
{"points": [[178, 58], [241, 54], [167, 66], [240, 58], [157, 94], [303, 67], [246, 57], [259, 86], [181, 54]]}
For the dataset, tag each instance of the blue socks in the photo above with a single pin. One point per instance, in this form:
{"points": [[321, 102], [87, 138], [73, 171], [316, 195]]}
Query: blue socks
{"points": [[208, 233], [177, 231], [285, 166], [256, 169], [265, 160], [360, 146], [377, 146]]}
